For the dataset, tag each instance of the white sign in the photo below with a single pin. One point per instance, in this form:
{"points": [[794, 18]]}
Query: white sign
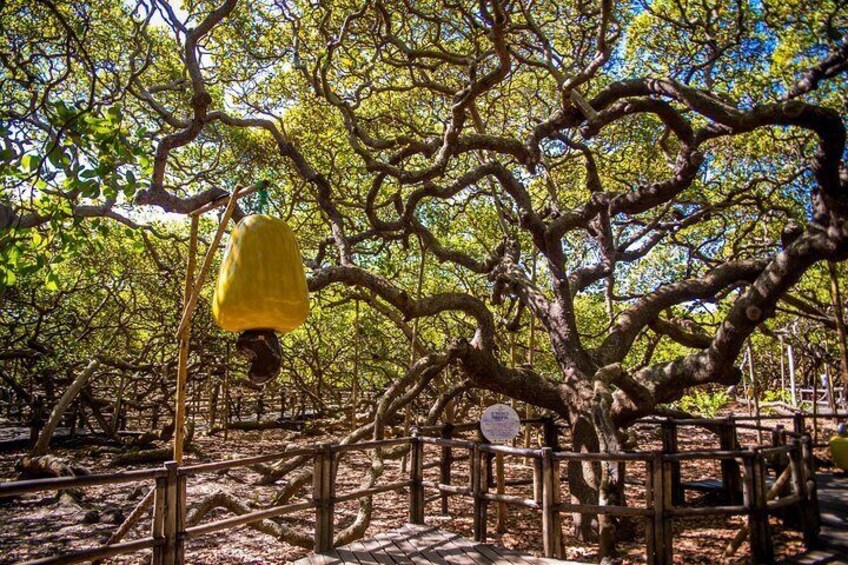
{"points": [[500, 423]]}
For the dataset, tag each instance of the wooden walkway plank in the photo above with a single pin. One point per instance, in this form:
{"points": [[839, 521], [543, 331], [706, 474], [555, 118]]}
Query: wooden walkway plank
{"points": [[373, 550], [833, 539], [421, 545], [468, 549], [456, 549]]}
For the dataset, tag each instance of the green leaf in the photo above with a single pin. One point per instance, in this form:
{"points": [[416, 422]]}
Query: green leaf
{"points": [[30, 163], [58, 158], [115, 113]]}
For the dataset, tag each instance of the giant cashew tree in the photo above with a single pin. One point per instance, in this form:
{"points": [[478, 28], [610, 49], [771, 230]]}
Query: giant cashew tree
{"points": [[682, 164]]}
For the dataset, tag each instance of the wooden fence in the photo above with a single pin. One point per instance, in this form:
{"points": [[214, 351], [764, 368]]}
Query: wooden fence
{"points": [[744, 480], [744, 474]]}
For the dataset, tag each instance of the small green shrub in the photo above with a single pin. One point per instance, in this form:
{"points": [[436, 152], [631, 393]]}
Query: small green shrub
{"points": [[782, 395], [705, 403]]}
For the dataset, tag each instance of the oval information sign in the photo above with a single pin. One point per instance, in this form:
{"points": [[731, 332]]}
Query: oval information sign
{"points": [[500, 423]]}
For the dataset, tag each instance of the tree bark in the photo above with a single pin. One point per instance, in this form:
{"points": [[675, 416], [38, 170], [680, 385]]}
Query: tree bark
{"points": [[593, 430], [836, 299], [68, 397]]}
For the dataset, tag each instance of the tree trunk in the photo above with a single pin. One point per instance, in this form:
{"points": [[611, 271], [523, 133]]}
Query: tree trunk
{"points": [[584, 477], [599, 483], [836, 299], [46, 435]]}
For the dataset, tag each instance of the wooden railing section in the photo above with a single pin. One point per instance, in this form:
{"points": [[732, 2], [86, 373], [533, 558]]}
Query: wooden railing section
{"points": [[744, 473]]}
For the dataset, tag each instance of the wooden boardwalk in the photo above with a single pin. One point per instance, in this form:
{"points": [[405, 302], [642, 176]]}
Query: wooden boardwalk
{"points": [[833, 539], [420, 545]]}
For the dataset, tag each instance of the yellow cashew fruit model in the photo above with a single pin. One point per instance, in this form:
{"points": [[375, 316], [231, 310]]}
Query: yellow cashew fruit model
{"points": [[839, 447], [261, 290]]}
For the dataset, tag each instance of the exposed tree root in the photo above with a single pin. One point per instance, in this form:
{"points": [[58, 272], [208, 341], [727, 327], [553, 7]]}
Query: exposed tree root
{"points": [[268, 526], [46, 466], [158, 455], [273, 473]]}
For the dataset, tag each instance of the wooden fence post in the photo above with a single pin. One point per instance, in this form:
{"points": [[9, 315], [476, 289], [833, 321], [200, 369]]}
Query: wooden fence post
{"points": [[488, 458], [755, 501], [172, 512], [659, 540], [551, 520], [731, 479], [669, 441], [416, 477], [806, 512], [502, 510], [651, 541], [181, 517], [780, 460], [550, 433], [157, 529], [445, 466], [654, 491], [666, 515], [809, 468], [799, 424], [323, 492], [537, 481], [479, 487]]}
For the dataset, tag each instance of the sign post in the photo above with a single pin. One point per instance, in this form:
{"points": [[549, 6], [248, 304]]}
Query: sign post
{"points": [[500, 424]]}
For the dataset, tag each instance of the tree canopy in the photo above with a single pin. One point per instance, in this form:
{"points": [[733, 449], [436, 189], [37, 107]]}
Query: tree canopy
{"points": [[648, 183]]}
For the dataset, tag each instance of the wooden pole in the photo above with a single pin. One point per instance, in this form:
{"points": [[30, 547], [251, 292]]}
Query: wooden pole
{"points": [[323, 492], [804, 484], [791, 359], [730, 475], [171, 513], [445, 465], [416, 478], [831, 397], [661, 521], [551, 523], [836, 300], [815, 409], [479, 481], [210, 406], [781, 482], [413, 343], [500, 526], [755, 502], [354, 393], [157, 528], [652, 542], [755, 391], [782, 368], [118, 406], [194, 286], [182, 357], [669, 441], [531, 358], [226, 393], [192, 291]]}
